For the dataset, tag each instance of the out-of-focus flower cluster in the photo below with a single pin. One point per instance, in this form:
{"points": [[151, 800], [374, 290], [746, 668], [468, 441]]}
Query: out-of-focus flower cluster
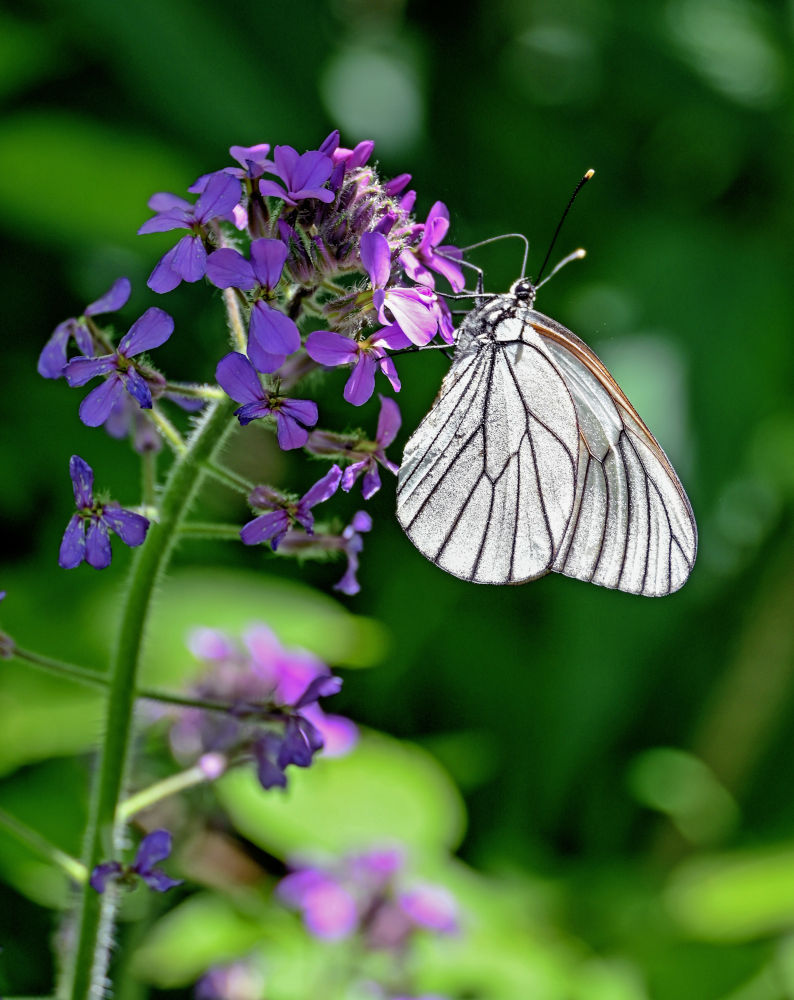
{"points": [[296, 241], [269, 696], [368, 894]]}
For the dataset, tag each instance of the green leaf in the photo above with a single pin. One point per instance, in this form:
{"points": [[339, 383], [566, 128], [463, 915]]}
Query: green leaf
{"points": [[385, 791]]}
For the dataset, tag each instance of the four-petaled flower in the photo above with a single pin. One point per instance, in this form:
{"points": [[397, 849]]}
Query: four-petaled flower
{"points": [[303, 175], [238, 378], [52, 359], [87, 534], [389, 421], [331, 349], [150, 331], [154, 847], [283, 512], [187, 261], [271, 334], [411, 308], [428, 256]]}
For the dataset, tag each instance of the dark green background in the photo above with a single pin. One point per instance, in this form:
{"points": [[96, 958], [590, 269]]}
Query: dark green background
{"points": [[540, 700]]}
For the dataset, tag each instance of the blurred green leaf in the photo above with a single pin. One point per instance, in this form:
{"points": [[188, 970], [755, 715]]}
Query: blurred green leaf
{"points": [[25, 55], [384, 791]]}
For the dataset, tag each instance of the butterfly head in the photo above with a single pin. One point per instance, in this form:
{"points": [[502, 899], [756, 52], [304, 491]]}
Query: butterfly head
{"points": [[524, 290]]}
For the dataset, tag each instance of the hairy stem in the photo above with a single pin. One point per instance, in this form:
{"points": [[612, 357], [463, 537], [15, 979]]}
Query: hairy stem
{"points": [[104, 836]]}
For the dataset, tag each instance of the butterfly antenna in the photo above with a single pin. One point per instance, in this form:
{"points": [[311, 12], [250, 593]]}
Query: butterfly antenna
{"points": [[576, 255], [504, 236], [568, 207]]}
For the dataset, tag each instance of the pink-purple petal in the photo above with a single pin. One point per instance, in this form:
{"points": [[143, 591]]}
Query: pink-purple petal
{"points": [[151, 330], [311, 171], [390, 337], [164, 201], [361, 384], [331, 349], [165, 221], [238, 379], [95, 408], [273, 190], [412, 314], [389, 369], [376, 258], [113, 299], [72, 551], [267, 261], [226, 268], [218, 198], [389, 421], [323, 489]]}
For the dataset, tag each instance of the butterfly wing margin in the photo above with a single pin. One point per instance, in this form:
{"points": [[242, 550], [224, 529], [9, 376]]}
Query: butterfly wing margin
{"points": [[633, 528], [487, 484]]}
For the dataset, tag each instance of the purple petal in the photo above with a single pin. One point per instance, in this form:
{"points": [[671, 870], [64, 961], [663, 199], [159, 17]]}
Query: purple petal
{"points": [[247, 155], [361, 383], [432, 907], [376, 258], [226, 268], [389, 421], [82, 476], [263, 360], [164, 222], [330, 143], [154, 847], [184, 262], [311, 171], [411, 310], [352, 472], [151, 330], [361, 521], [330, 349], [330, 912], [116, 297], [129, 526], [323, 489], [219, 198], [164, 201], [274, 190], [253, 411], [272, 332], [101, 874], [82, 370], [97, 545], [272, 525], [389, 369], [286, 159], [301, 741], [391, 337], [137, 386], [52, 359], [320, 687], [339, 734], [268, 772], [302, 410], [267, 259], [159, 881], [290, 433], [72, 551], [95, 408], [370, 484], [397, 184], [238, 379]]}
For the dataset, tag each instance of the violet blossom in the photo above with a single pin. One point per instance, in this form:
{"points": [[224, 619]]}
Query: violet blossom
{"points": [[155, 847], [351, 544], [239, 380], [282, 512], [187, 261], [52, 359], [367, 355], [428, 256], [303, 175], [87, 535], [412, 308], [271, 334], [389, 421], [151, 330]]}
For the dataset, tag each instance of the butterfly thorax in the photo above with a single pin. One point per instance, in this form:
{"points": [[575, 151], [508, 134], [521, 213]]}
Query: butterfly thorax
{"points": [[498, 319]]}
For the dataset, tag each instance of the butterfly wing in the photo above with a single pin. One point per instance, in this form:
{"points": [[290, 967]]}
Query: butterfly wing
{"points": [[632, 527], [486, 489]]}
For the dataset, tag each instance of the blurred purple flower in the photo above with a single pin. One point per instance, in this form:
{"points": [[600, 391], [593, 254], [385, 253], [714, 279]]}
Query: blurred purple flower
{"points": [[152, 330], [154, 847], [87, 534], [271, 334], [389, 421], [328, 909], [187, 260], [238, 379], [428, 256], [431, 907], [303, 176], [282, 512], [352, 544], [366, 356], [52, 359], [240, 980]]}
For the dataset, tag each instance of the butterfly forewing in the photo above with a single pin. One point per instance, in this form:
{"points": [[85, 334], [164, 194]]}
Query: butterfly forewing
{"points": [[532, 459]]}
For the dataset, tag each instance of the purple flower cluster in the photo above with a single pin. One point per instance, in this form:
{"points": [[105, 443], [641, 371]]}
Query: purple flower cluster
{"points": [[273, 715], [368, 894], [154, 847]]}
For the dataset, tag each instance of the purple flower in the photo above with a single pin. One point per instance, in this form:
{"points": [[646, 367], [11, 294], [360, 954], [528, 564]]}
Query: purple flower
{"points": [[356, 157], [271, 334], [411, 308], [87, 534], [388, 424], [431, 907], [187, 261], [238, 378], [52, 359], [240, 980], [352, 544], [152, 329], [283, 512], [253, 162], [328, 909], [303, 176], [428, 256], [366, 356], [154, 847]]}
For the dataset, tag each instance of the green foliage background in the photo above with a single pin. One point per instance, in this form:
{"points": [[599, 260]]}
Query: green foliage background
{"points": [[626, 764]]}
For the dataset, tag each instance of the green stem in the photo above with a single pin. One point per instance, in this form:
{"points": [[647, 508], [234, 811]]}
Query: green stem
{"points": [[171, 435], [86, 979], [229, 478], [160, 790], [207, 529], [189, 390], [42, 846], [149, 478]]}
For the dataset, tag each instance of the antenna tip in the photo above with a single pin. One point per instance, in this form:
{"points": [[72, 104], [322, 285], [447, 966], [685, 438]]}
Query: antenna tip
{"points": [[589, 174], [578, 254]]}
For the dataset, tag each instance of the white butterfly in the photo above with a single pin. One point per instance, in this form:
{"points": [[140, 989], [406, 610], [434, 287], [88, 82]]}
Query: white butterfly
{"points": [[532, 461]]}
